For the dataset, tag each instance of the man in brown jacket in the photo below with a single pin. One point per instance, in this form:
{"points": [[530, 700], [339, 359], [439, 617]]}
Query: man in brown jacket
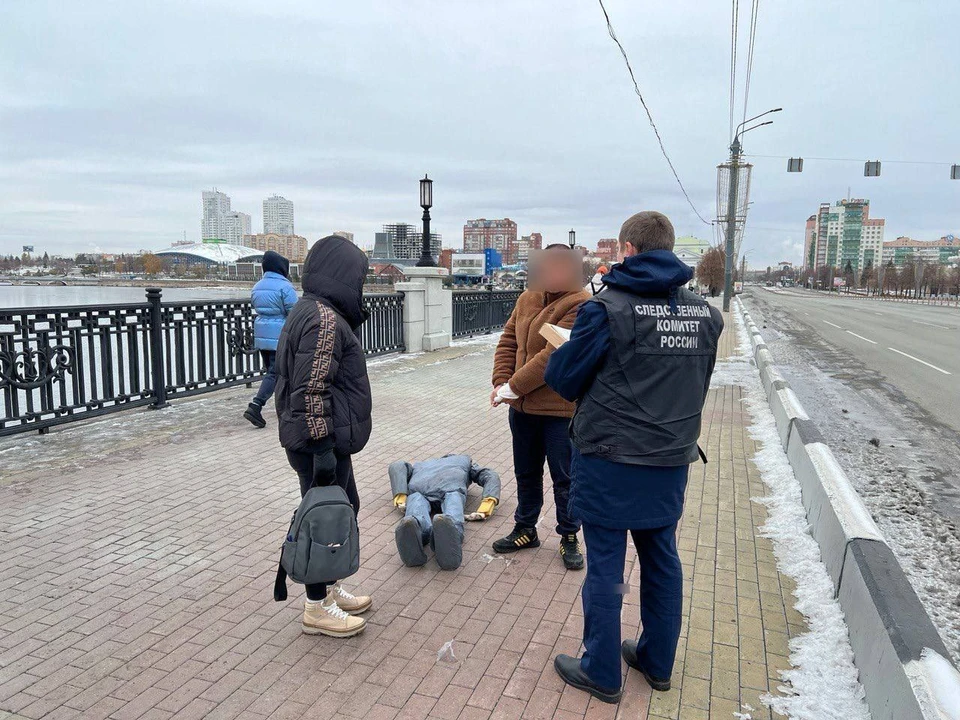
{"points": [[539, 417]]}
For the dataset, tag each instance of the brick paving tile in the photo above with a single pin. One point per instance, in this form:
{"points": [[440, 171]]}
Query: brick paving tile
{"points": [[160, 604]]}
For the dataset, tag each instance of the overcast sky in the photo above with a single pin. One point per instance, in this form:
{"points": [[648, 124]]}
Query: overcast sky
{"points": [[114, 116]]}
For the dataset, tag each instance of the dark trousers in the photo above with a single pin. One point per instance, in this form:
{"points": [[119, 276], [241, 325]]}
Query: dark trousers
{"points": [[269, 382], [324, 467], [661, 601], [539, 438]]}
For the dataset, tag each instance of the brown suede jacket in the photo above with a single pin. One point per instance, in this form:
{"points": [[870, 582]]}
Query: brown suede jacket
{"points": [[522, 353]]}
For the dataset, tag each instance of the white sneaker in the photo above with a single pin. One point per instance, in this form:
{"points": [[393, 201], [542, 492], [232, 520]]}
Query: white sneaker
{"points": [[353, 604], [326, 618]]}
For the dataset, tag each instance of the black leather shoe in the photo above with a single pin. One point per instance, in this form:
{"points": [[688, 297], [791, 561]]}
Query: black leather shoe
{"points": [[568, 668], [628, 650]]}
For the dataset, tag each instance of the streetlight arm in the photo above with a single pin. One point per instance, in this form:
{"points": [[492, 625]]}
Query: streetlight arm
{"points": [[768, 122], [756, 117]]}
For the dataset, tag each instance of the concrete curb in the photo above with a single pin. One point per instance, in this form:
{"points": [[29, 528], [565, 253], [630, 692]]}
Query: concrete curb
{"points": [[904, 666]]}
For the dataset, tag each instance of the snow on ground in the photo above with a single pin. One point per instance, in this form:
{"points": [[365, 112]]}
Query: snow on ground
{"points": [[822, 684], [905, 482]]}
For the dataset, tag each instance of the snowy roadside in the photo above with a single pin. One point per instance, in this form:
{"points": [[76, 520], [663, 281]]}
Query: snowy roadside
{"points": [[903, 466], [822, 684]]}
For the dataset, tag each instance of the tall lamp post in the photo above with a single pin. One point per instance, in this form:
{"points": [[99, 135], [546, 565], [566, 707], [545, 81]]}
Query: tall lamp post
{"points": [[426, 202], [572, 237], [732, 198]]}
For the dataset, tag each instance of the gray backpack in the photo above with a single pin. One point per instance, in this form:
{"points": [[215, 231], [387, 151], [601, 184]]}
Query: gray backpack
{"points": [[323, 543]]}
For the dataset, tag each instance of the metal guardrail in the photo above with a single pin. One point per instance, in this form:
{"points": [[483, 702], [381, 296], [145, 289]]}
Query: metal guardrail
{"points": [[62, 364], [477, 313]]}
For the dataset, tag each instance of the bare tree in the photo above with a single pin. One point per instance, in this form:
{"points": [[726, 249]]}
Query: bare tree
{"points": [[710, 270]]}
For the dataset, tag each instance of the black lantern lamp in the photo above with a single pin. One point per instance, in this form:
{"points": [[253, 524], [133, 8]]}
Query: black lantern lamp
{"points": [[572, 235], [426, 202]]}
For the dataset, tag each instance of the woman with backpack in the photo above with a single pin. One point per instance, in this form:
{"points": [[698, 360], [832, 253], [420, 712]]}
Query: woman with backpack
{"points": [[324, 404]]}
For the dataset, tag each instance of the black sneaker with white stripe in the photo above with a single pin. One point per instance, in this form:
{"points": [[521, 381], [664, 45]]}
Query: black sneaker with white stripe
{"points": [[520, 539]]}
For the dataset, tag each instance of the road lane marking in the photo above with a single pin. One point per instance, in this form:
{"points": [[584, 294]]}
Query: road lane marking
{"points": [[876, 313], [832, 325], [872, 342], [922, 362], [920, 322]]}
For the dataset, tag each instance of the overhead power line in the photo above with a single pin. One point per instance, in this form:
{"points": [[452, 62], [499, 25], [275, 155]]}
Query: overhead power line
{"points": [[636, 88], [734, 31], [754, 16]]}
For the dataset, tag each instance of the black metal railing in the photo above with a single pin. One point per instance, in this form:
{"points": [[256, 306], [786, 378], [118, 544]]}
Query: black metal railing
{"points": [[483, 311], [382, 333], [60, 364]]}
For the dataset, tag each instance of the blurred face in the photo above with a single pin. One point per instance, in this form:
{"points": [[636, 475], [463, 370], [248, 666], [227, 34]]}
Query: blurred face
{"points": [[555, 271]]}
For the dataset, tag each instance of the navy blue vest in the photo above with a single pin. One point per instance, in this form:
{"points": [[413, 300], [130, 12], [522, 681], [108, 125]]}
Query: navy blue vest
{"points": [[644, 405]]}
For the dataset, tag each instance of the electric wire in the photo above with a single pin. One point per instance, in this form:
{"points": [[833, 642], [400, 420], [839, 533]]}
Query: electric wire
{"points": [[754, 13], [734, 25], [636, 87]]}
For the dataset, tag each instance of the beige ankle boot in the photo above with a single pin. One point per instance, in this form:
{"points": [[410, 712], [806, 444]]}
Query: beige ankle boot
{"points": [[353, 604], [325, 618]]}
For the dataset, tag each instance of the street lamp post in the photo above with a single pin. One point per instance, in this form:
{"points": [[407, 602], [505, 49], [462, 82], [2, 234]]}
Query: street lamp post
{"points": [[426, 202], [572, 237], [736, 150]]}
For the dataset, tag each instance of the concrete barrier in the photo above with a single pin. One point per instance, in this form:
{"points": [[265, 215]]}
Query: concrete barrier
{"points": [[904, 666], [772, 379], [786, 409]]}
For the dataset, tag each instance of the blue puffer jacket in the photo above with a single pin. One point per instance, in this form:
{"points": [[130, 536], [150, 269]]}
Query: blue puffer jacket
{"points": [[273, 297]]}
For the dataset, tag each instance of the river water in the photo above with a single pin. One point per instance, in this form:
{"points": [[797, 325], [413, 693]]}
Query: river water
{"points": [[19, 296]]}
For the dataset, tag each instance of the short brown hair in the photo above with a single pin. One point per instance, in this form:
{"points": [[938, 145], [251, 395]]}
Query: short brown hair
{"points": [[647, 230]]}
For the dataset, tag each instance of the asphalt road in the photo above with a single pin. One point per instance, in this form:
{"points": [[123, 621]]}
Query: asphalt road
{"points": [[916, 348]]}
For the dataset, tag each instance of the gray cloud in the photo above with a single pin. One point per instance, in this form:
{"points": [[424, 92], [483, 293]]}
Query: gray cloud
{"points": [[114, 116]]}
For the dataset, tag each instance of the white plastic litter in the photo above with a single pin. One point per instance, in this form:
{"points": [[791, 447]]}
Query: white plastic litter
{"points": [[445, 653], [490, 558]]}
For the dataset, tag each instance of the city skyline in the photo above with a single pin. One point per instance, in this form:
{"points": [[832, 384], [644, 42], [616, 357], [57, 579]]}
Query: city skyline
{"points": [[111, 153]]}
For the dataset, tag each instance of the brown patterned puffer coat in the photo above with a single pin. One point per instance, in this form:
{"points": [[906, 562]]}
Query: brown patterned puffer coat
{"points": [[322, 384]]}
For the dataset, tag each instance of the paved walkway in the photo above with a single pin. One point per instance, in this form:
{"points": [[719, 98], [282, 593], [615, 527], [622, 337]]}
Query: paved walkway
{"points": [[139, 552]]}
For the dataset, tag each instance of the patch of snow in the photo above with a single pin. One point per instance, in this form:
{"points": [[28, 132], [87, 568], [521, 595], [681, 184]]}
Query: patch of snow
{"points": [[937, 684], [823, 682]]}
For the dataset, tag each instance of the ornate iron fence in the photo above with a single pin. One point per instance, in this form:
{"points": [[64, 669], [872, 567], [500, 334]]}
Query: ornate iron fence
{"points": [[382, 333], [484, 311], [63, 364]]}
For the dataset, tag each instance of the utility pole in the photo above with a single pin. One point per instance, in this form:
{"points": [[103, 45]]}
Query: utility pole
{"points": [[730, 246], [743, 269]]}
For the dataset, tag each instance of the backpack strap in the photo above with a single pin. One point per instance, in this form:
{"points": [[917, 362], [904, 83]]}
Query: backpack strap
{"points": [[703, 455], [280, 584]]}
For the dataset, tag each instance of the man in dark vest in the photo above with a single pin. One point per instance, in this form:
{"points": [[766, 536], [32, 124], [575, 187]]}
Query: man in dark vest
{"points": [[638, 365]]}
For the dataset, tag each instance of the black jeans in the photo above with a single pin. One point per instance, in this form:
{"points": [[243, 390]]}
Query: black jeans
{"points": [[539, 438], [321, 465]]}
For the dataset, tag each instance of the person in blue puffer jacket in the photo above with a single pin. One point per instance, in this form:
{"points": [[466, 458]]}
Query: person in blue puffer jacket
{"points": [[273, 297]]}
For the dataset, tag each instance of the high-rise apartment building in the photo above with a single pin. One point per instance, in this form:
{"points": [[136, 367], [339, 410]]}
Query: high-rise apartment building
{"points": [[216, 205], [533, 241], [842, 234], [345, 235], [292, 247], [501, 235], [236, 225], [219, 222], [278, 215], [402, 241]]}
